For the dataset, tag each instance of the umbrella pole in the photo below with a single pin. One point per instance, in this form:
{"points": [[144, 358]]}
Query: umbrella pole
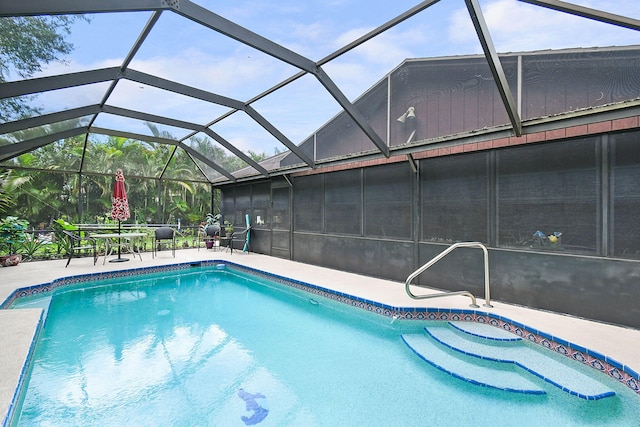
{"points": [[119, 245], [119, 259]]}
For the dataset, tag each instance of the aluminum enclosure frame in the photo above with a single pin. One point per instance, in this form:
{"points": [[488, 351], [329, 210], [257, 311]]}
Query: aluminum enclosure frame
{"points": [[208, 19]]}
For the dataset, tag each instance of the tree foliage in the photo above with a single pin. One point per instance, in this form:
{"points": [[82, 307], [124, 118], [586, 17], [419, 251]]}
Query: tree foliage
{"points": [[26, 45], [51, 186], [73, 178]]}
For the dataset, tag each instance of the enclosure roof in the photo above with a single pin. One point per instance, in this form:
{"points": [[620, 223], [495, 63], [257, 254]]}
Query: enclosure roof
{"points": [[185, 79]]}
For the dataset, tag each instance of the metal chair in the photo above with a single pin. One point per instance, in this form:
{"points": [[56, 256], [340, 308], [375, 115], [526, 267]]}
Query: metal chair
{"points": [[164, 233], [243, 236], [76, 244], [211, 234]]}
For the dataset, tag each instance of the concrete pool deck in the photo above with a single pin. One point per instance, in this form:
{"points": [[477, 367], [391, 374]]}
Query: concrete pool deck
{"points": [[17, 327]]}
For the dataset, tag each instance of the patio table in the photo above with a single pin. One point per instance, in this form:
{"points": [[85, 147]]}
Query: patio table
{"points": [[126, 241]]}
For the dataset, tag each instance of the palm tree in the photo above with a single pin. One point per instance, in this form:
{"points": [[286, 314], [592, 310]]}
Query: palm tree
{"points": [[8, 186]]}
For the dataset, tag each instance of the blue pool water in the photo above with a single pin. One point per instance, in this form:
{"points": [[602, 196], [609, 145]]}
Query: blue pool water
{"points": [[210, 347]]}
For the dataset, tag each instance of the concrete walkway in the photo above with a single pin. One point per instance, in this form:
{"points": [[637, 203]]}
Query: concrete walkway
{"points": [[17, 327]]}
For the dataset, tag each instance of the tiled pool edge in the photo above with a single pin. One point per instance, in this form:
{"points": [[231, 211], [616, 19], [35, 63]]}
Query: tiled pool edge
{"points": [[595, 360], [23, 371]]}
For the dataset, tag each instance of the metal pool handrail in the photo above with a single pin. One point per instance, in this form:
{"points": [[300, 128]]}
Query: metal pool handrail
{"points": [[437, 258]]}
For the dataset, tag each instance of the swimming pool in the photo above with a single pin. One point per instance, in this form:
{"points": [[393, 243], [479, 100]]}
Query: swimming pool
{"points": [[209, 346]]}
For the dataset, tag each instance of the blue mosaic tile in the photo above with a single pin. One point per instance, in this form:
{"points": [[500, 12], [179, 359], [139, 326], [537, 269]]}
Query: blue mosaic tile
{"points": [[579, 356], [564, 343], [632, 373], [614, 363], [595, 354], [579, 348], [615, 373]]}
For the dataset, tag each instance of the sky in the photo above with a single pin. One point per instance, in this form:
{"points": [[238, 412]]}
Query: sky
{"points": [[181, 50]]}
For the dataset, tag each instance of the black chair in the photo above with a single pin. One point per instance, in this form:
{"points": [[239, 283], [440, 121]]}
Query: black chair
{"points": [[243, 236], [211, 234], [76, 244], [164, 233]]}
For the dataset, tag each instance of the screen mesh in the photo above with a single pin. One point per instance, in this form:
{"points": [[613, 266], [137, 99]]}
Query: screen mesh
{"points": [[242, 205], [280, 218], [448, 97], [553, 83], [550, 188], [626, 195], [388, 200], [455, 198], [343, 202], [260, 204], [308, 203]]}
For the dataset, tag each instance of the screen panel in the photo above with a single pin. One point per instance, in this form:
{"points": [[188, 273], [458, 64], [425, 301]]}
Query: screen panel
{"points": [[455, 204], [550, 189], [308, 203], [626, 194], [343, 202], [388, 199]]}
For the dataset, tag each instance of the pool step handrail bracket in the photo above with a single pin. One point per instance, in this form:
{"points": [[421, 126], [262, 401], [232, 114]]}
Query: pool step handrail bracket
{"points": [[437, 258]]}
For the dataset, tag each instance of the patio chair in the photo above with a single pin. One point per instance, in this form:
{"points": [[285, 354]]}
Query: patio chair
{"points": [[77, 244], [210, 235], [243, 236], [164, 233]]}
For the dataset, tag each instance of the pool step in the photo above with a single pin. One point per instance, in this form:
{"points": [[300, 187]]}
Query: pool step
{"points": [[427, 349], [490, 343], [485, 331]]}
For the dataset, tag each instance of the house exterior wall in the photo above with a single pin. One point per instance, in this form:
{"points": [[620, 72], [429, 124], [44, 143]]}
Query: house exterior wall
{"points": [[576, 179], [382, 219], [457, 95]]}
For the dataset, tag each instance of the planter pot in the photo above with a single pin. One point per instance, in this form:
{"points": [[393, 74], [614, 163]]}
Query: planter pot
{"points": [[208, 244], [10, 260]]}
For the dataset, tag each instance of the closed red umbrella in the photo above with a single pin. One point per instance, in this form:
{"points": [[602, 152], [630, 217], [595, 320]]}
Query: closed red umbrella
{"points": [[119, 206]]}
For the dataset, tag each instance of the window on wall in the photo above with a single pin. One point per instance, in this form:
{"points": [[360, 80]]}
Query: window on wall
{"points": [[626, 195], [308, 203], [454, 198], [547, 197], [343, 202], [387, 201]]}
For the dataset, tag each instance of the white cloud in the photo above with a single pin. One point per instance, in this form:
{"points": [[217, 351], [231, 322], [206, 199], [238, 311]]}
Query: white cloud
{"points": [[516, 26]]}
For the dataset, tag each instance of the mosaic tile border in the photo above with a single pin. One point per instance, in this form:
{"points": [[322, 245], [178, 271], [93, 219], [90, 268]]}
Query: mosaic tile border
{"points": [[84, 278], [23, 372], [595, 360]]}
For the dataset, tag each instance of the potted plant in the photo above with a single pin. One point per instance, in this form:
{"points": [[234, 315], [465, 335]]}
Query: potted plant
{"points": [[12, 234], [210, 220], [228, 228]]}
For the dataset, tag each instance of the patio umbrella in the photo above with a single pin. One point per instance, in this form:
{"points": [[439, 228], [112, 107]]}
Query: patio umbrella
{"points": [[119, 207]]}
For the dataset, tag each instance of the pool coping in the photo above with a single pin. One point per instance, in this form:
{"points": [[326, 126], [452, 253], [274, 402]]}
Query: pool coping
{"points": [[596, 360]]}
